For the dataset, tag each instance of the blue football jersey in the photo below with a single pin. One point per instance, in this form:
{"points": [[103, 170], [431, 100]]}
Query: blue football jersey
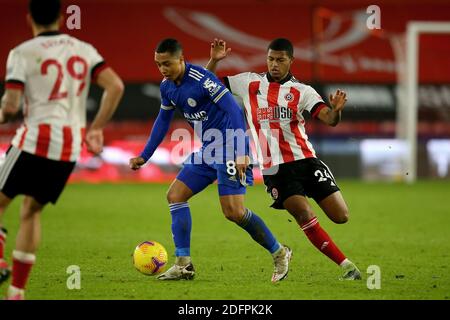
{"points": [[196, 97]]}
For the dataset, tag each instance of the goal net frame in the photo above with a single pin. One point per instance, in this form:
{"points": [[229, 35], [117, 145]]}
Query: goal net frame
{"points": [[413, 31]]}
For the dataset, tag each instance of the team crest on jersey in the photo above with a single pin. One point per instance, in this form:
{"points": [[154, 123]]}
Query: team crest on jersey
{"points": [[191, 102], [274, 193], [289, 96]]}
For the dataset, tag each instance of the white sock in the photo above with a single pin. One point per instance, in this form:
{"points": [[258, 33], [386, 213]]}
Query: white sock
{"points": [[13, 291]]}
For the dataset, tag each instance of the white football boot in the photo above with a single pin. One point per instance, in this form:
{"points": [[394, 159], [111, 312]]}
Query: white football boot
{"points": [[281, 261], [351, 271], [177, 272]]}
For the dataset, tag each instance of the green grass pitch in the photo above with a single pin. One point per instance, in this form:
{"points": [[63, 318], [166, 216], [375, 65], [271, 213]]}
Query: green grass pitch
{"points": [[405, 230]]}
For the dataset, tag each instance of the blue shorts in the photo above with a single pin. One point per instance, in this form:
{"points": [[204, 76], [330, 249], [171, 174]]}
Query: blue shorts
{"points": [[197, 175]]}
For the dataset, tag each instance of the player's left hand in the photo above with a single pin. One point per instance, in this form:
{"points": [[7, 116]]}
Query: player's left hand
{"points": [[242, 164], [338, 101], [136, 163], [219, 49], [94, 141]]}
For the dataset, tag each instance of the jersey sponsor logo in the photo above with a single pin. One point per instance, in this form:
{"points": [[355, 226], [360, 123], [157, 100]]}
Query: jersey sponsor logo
{"points": [[191, 102], [212, 86], [196, 116], [274, 114]]}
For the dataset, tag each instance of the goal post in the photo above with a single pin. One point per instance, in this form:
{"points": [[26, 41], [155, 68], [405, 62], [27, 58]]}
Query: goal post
{"points": [[405, 48], [413, 31]]}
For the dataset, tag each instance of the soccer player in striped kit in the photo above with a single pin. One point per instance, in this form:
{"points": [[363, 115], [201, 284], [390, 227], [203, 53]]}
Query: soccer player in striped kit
{"points": [[52, 72], [274, 102]]}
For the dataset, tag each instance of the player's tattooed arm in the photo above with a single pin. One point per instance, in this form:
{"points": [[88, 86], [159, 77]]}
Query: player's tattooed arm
{"points": [[10, 104], [218, 52], [332, 116]]}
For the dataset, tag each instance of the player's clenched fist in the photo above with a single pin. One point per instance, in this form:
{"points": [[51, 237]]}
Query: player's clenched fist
{"points": [[136, 163], [94, 141]]}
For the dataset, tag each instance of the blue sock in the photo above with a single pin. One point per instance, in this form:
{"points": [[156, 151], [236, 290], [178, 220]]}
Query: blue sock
{"points": [[181, 228], [258, 230]]}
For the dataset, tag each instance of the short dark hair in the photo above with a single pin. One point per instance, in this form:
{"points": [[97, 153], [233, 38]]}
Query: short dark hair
{"points": [[282, 44], [169, 45], [45, 12]]}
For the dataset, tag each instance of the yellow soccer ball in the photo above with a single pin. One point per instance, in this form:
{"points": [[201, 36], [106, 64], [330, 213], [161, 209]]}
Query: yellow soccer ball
{"points": [[150, 257]]}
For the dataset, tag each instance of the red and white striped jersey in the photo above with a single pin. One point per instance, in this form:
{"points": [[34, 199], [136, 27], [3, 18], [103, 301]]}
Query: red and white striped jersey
{"points": [[274, 115], [54, 70]]}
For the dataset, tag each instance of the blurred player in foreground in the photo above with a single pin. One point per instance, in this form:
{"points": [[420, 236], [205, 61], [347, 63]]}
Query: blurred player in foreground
{"points": [[52, 72], [274, 102], [211, 110]]}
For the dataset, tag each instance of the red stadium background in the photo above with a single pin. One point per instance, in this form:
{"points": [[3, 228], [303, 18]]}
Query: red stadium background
{"points": [[126, 32], [332, 46]]}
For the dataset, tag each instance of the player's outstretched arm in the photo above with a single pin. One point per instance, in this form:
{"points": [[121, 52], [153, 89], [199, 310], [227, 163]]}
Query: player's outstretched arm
{"points": [[159, 131], [10, 104], [218, 52], [332, 116], [113, 91]]}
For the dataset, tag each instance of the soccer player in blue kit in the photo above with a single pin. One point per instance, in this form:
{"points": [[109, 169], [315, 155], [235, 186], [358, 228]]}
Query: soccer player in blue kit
{"points": [[209, 108]]}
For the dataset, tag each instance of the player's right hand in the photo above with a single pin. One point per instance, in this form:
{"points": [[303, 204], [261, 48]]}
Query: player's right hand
{"points": [[219, 49], [136, 163], [338, 101], [242, 164], [94, 141]]}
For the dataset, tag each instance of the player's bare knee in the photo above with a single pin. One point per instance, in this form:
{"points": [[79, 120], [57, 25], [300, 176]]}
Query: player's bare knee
{"points": [[2, 208], [342, 217], [4, 202], [29, 215], [345, 216], [31, 205], [173, 196], [30, 211], [233, 213]]}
